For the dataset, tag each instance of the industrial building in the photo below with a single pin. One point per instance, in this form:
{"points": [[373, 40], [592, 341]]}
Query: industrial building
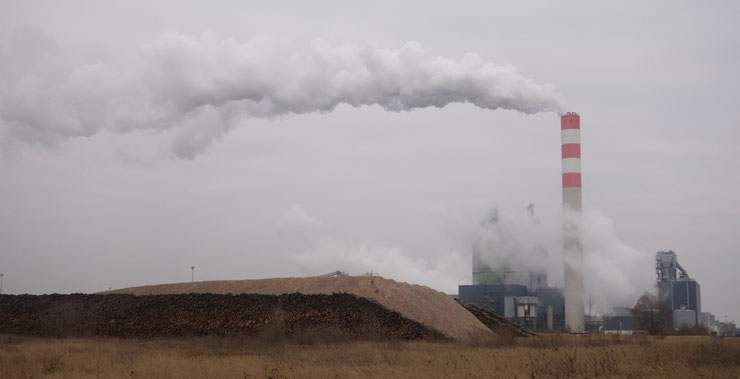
{"points": [[513, 289], [514, 284], [677, 290], [543, 309], [621, 321], [707, 320], [724, 329], [525, 298], [519, 291], [680, 293]]}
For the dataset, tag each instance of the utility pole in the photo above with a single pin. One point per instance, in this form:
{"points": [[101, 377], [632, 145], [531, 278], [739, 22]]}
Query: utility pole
{"points": [[192, 274], [1, 283]]}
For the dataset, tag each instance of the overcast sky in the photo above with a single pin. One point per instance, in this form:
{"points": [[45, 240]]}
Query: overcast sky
{"points": [[122, 165]]}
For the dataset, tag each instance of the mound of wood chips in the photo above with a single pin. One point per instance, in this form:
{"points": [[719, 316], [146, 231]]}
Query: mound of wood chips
{"points": [[423, 304], [344, 316]]}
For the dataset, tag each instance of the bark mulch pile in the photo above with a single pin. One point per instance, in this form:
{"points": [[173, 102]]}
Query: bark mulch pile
{"points": [[151, 316], [496, 323], [420, 303]]}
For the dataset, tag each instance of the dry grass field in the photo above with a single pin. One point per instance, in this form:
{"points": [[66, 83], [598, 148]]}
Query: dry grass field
{"points": [[312, 357]]}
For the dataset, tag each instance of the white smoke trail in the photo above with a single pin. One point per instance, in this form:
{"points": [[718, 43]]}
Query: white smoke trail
{"points": [[203, 85]]}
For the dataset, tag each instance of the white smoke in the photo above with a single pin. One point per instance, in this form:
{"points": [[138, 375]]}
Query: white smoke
{"points": [[615, 274], [203, 85], [298, 219], [316, 249], [390, 261], [515, 242]]}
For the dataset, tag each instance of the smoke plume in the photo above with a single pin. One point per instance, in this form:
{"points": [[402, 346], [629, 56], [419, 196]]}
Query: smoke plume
{"points": [[513, 242], [198, 87], [316, 248], [615, 274]]}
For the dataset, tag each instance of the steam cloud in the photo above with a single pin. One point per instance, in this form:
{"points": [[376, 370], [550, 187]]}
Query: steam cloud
{"points": [[316, 249], [615, 274], [199, 87], [513, 243]]}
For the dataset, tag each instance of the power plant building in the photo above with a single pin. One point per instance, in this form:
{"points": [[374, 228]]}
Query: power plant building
{"points": [[521, 293], [677, 290], [513, 287], [539, 310], [621, 321], [492, 297]]}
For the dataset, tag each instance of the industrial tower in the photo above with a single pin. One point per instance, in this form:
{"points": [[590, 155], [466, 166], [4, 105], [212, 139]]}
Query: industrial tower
{"points": [[570, 133]]}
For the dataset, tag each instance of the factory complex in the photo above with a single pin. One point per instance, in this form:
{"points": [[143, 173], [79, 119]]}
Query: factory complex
{"points": [[525, 298], [514, 284]]}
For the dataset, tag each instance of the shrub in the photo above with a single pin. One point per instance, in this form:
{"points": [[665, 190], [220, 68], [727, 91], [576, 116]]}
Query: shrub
{"points": [[51, 364]]}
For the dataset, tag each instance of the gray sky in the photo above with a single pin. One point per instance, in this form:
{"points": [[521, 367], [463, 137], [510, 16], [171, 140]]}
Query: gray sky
{"points": [[279, 190]]}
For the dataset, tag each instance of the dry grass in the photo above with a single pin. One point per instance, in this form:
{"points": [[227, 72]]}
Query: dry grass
{"points": [[271, 357]]}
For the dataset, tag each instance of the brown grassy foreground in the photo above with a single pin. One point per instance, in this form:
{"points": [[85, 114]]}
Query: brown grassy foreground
{"points": [[225, 357]]}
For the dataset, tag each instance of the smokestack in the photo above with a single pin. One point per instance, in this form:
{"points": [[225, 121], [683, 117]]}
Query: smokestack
{"points": [[570, 132]]}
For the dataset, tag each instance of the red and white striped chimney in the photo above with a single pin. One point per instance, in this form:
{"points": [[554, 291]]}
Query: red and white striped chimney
{"points": [[570, 134]]}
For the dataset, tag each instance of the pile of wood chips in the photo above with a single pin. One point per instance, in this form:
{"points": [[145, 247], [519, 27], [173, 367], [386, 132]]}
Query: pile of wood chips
{"points": [[423, 304]]}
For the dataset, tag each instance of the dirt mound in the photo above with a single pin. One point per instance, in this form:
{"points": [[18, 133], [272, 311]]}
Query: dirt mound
{"points": [[204, 314], [496, 323], [420, 303]]}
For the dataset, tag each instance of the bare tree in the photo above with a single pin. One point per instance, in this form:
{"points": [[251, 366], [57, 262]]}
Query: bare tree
{"points": [[652, 315]]}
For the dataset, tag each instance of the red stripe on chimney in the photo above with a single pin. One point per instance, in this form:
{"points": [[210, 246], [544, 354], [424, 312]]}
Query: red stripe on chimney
{"points": [[571, 150], [572, 179], [570, 122]]}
